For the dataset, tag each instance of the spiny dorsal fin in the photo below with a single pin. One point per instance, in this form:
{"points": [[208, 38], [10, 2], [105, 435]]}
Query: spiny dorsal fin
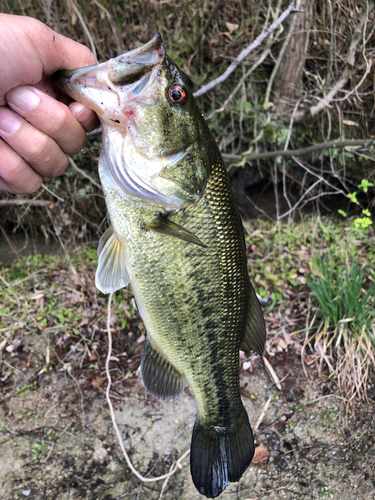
{"points": [[160, 378], [111, 274], [255, 333], [165, 226]]}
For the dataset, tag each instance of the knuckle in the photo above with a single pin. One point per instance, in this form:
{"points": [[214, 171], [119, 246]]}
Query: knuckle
{"points": [[31, 186], [59, 165], [39, 149]]}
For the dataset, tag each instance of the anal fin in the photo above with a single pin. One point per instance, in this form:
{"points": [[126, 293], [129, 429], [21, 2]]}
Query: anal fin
{"points": [[112, 273], [165, 226], [255, 332], [160, 378]]}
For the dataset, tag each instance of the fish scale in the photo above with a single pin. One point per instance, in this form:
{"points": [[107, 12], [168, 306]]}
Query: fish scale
{"points": [[176, 236]]}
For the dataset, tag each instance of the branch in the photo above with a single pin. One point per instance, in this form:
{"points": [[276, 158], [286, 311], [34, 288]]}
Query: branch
{"points": [[349, 70], [245, 52], [18, 202], [240, 159]]}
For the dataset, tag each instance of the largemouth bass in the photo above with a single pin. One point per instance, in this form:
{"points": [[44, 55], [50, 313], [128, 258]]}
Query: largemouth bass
{"points": [[176, 236]]}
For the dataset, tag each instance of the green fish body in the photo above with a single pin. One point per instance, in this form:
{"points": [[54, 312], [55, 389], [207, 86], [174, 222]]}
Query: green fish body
{"points": [[177, 237]]}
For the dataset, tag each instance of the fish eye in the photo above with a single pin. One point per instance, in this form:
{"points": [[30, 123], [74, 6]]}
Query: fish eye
{"points": [[177, 94]]}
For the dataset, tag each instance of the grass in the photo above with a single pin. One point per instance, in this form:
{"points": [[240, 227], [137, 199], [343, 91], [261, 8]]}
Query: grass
{"points": [[345, 339], [320, 276]]}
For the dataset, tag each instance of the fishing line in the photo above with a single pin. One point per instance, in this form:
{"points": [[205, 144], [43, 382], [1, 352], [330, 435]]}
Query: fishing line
{"points": [[130, 465]]}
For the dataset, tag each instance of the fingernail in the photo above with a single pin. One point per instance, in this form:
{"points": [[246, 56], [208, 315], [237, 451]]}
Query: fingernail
{"points": [[23, 98], [9, 122]]}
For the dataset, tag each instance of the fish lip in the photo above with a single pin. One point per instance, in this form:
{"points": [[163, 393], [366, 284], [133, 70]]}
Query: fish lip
{"points": [[131, 65]]}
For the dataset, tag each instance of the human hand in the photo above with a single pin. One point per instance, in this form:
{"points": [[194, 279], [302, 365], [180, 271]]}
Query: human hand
{"points": [[36, 129]]}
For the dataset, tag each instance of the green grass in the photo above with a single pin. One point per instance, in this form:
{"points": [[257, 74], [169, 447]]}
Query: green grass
{"points": [[338, 288]]}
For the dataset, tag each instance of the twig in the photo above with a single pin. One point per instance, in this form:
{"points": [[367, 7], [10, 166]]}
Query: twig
{"points": [[85, 28], [112, 25], [208, 23], [82, 172], [245, 52], [262, 414], [34, 203], [130, 465], [366, 143], [10, 243], [242, 80]]}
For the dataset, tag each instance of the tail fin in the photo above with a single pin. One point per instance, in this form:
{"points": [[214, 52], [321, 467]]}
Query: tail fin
{"points": [[219, 457]]}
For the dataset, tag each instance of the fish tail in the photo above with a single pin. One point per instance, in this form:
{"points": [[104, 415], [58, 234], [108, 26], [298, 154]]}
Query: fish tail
{"points": [[218, 456]]}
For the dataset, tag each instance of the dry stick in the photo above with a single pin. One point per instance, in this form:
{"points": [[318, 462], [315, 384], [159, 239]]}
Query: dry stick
{"points": [[20, 202], [348, 72], [208, 23], [303, 151], [245, 52], [10, 243], [71, 208], [245, 76], [85, 28], [82, 172], [112, 25], [130, 465]]}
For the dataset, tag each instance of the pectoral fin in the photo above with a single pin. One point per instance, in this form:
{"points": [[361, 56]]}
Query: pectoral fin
{"points": [[111, 274], [160, 378], [255, 333], [165, 226]]}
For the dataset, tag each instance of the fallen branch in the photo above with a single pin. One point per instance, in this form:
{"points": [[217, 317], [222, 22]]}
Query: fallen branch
{"points": [[245, 52], [240, 159]]}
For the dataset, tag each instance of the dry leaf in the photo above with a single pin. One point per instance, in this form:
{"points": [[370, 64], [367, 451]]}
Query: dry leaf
{"points": [[261, 455], [232, 27], [36, 295], [141, 339], [99, 382]]}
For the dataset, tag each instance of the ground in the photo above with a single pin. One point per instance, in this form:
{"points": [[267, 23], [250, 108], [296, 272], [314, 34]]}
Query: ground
{"points": [[57, 439]]}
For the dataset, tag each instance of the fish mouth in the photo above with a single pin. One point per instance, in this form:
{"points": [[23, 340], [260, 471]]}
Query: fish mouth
{"points": [[107, 86], [117, 90]]}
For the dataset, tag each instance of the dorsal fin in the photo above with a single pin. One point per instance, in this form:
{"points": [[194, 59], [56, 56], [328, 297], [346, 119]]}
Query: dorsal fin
{"points": [[255, 332], [112, 273]]}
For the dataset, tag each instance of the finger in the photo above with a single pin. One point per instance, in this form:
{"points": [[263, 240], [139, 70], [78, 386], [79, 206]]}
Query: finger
{"points": [[35, 147], [86, 116], [16, 175], [48, 115], [40, 51]]}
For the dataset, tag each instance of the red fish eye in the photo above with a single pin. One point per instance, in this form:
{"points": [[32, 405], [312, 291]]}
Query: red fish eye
{"points": [[177, 94]]}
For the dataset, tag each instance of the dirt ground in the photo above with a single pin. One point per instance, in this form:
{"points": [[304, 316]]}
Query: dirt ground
{"points": [[57, 440]]}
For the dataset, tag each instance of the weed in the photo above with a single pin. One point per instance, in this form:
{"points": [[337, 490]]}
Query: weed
{"points": [[345, 338], [39, 449]]}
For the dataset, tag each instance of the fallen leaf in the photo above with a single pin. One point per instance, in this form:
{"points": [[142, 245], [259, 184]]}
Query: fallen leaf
{"points": [[36, 295], [99, 382], [232, 27], [141, 339], [261, 455]]}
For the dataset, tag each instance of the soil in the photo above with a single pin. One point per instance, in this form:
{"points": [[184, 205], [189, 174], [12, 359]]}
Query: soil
{"points": [[58, 442]]}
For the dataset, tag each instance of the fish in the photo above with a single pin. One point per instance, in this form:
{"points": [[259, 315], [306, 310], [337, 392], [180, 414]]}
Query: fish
{"points": [[176, 237]]}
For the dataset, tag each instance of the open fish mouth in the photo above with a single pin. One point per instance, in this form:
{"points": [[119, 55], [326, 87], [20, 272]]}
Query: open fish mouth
{"points": [[119, 90], [110, 87]]}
